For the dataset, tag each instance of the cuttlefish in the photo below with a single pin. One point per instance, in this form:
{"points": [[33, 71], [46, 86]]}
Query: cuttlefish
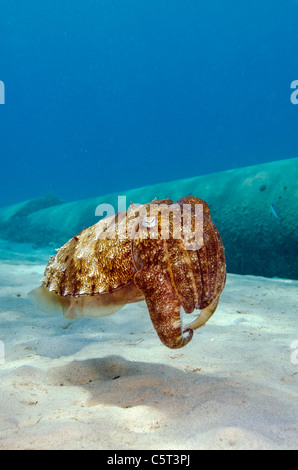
{"points": [[170, 255]]}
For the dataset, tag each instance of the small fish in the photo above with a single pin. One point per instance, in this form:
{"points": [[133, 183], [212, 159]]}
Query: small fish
{"points": [[275, 210]]}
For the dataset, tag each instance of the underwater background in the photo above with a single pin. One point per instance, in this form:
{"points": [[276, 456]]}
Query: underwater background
{"points": [[149, 99], [103, 96]]}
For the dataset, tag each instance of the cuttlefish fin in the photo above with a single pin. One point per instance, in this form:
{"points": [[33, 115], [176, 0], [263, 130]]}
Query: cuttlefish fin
{"points": [[55, 304], [48, 302], [90, 306]]}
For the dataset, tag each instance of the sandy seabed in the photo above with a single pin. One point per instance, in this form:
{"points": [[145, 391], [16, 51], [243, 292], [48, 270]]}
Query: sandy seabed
{"points": [[110, 383]]}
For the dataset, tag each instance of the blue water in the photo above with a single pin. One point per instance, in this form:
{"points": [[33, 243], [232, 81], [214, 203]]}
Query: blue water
{"points": [[106, 95]]}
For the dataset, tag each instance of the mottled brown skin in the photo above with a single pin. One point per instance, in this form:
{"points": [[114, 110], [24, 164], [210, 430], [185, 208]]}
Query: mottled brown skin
{"points": [[95, 276], [170, 276]]}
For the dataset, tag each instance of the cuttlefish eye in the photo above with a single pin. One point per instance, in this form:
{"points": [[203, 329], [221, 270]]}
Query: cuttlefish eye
{"points": [[149, 221]]}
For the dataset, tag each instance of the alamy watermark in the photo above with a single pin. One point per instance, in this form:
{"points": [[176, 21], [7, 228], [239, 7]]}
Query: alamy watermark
{"points": [[153, 221], [2, 93], [294, 95], [2, 353]]}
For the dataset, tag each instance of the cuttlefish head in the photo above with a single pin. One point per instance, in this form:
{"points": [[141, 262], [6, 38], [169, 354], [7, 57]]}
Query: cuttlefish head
{"points": [[179, 261]]}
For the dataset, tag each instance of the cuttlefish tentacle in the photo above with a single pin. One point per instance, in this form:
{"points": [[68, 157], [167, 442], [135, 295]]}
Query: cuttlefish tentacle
{"points": [[204, 316], [163, 306]]}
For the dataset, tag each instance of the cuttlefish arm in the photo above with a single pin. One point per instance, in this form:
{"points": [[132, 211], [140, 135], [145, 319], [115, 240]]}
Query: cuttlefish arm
{"points": [[170, 275], [204, 316], [163, 306], [153, 278]]}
